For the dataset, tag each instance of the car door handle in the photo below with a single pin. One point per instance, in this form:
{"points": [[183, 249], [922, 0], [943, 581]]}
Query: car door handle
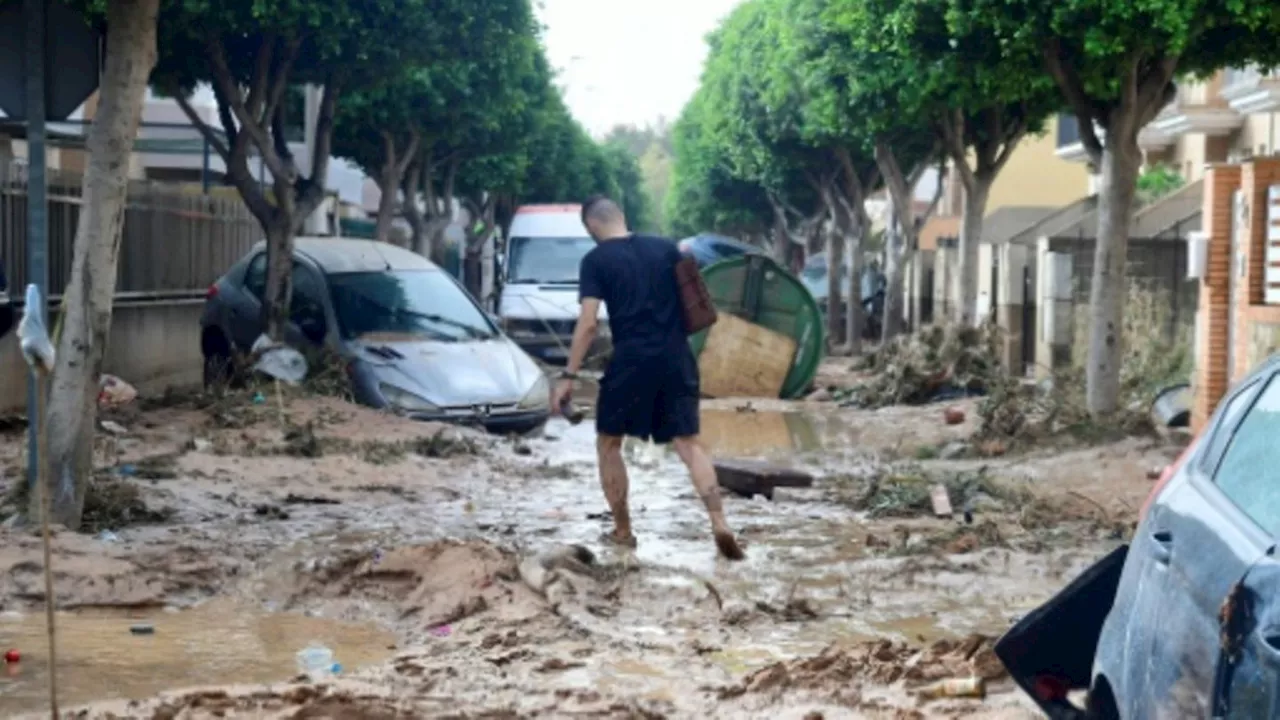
{"points": [[1162, 546]]}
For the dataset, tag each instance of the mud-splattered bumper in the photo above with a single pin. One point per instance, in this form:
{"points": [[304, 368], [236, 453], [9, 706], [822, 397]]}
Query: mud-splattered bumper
{"points": [[506, 423]]}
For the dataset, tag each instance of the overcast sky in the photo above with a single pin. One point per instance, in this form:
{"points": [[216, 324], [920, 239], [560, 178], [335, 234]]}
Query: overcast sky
{"points": [[628, 61]]}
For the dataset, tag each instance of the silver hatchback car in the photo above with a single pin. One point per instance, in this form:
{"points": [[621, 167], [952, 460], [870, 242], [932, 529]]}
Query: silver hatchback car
{"points": [[414, 341]]}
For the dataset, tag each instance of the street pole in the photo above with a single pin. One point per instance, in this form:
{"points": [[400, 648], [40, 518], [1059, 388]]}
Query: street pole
{"points": [[37, 207]]}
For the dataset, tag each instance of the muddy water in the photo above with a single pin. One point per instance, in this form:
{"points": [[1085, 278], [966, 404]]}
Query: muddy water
{"points": [[214, 643], [801, 545]]}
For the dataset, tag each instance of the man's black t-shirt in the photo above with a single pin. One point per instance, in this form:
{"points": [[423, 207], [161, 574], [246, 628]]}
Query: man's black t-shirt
{"points": [[635, 277]]}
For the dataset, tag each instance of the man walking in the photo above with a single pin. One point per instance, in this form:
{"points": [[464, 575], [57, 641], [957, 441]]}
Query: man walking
{"points": [[650, 389]]}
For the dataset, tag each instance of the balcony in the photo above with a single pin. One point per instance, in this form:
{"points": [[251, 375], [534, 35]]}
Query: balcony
{"points": [[1250, 90], [1070, 148], [1198, 108]]}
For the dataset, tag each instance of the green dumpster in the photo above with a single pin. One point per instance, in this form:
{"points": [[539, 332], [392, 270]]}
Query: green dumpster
{"points": [[759, 290]]}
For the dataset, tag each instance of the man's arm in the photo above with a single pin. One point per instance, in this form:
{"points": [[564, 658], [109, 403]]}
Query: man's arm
{"points": [[583, 334]]}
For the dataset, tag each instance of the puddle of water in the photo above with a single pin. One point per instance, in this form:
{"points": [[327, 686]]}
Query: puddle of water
{"points": [[761, 433], [218, 642]]}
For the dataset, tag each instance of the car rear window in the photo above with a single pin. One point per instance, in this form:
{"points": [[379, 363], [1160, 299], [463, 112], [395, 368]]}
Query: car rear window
{"points": [[1249, 473]]}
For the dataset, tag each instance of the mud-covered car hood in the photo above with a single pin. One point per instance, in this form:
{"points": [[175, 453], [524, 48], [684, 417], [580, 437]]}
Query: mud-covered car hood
{"points": [[451, 373]]}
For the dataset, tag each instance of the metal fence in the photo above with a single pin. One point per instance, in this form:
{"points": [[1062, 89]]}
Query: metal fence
{"points": [[176, 240]]}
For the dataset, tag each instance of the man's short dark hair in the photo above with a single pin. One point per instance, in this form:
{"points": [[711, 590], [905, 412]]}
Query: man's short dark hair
{"points": [[600, 208]]}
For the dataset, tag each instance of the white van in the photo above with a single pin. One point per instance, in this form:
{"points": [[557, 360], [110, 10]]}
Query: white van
{"points": [[539, 303]]}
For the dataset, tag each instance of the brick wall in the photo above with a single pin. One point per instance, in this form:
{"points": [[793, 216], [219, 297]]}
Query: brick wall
{"points": [[1256, 333], [1255, 179], [1213, 315]]}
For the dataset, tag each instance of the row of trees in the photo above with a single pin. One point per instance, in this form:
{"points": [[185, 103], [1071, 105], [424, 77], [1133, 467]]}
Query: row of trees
{"points": [[806, 107], [436, 99]]}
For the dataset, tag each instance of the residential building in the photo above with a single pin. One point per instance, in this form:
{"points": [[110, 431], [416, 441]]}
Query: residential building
{"points": [[1228, 117]]}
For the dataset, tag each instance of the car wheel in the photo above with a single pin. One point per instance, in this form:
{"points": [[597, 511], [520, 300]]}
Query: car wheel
{"points": [[219, 366]]}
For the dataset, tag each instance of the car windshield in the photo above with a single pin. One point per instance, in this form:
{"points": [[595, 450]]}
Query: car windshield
{"points": [[547, 260], [415, 303]]}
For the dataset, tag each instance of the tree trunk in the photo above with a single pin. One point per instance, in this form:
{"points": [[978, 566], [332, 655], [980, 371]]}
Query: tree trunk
{"points": [[86, 304], [1121, 160], [409, 183], [976, 193], [895, 255], [853, 319], [389, 186], [279, 288], [835, 264]]}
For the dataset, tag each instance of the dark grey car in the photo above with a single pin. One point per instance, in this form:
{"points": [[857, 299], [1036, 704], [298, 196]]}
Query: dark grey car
{"points": [[1185, 621], [413, 340]]}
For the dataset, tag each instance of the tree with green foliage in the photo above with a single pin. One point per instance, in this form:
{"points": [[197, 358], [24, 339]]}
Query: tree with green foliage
{"points": [[624, 170], [704, 194], [1115, 65], [651, 148], [756, 131], [978, 99], [250, 52], [873, 138]]}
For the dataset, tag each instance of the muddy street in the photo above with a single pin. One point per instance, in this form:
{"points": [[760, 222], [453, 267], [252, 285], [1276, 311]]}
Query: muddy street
{"points": [[225, 535]]}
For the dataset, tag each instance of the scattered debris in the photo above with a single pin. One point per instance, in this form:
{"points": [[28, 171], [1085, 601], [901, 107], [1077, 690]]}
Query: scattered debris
{"points": [[932, 364], [953, 415], [142, 629], [111, 503], [114, 428], [748, 478], [114, 392], [941, 501]]}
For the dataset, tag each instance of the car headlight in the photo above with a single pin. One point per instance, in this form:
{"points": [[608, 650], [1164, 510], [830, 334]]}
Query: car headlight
{"points": [[519, 329], [402, 399], [538, 397]]}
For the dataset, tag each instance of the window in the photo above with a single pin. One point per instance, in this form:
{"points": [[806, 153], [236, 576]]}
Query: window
{"points": [[255, 276], [307, 301], [1230, 415], [415, 304], [547, 260], [1249, 473]]}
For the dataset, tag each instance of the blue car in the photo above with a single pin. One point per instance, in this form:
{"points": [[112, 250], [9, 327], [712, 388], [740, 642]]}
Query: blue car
{"points": [[708, 248], [1184, 622]]}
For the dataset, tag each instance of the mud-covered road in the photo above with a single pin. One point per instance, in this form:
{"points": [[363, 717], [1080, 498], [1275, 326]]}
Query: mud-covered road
{"points": [[238, 533]]}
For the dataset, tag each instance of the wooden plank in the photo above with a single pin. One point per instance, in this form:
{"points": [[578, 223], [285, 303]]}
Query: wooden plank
{"points": [[748, 478]]}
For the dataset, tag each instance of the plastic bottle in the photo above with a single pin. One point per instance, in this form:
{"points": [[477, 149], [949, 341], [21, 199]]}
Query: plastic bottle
{"points": [[315, 661], [970, 687], [571, 413]]}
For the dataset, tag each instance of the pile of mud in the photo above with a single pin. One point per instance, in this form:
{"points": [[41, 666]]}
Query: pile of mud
{"points": [[841, 675], [430, 586], [337, 701]]}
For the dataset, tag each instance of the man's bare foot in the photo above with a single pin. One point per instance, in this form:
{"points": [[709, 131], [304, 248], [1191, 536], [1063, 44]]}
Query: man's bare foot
{"points": [[728, 545], [613, 538]]}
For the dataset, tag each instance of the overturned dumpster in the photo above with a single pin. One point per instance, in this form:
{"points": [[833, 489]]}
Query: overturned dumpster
{"points": [[769, 339]]}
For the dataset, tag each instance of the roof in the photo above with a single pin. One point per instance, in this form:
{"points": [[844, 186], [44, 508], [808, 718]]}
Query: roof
{"points": [[345, 255], [1055, 224], [1174, 214], [1007, 222], [1171, 216]]}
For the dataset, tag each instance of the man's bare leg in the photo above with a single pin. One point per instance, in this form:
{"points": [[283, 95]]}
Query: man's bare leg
{"points": [[703, 473], [613, 480]]}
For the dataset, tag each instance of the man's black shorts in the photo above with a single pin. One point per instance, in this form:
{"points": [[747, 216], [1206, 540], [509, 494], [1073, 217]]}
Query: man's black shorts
{"points": [[650, 397]]}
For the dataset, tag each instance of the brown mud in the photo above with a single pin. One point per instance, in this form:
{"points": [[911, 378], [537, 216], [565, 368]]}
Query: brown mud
{"points": [[425, 558]]}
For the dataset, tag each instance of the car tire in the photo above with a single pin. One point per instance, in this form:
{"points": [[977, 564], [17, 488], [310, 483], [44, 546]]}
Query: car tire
{"points": [[219, 365]]}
